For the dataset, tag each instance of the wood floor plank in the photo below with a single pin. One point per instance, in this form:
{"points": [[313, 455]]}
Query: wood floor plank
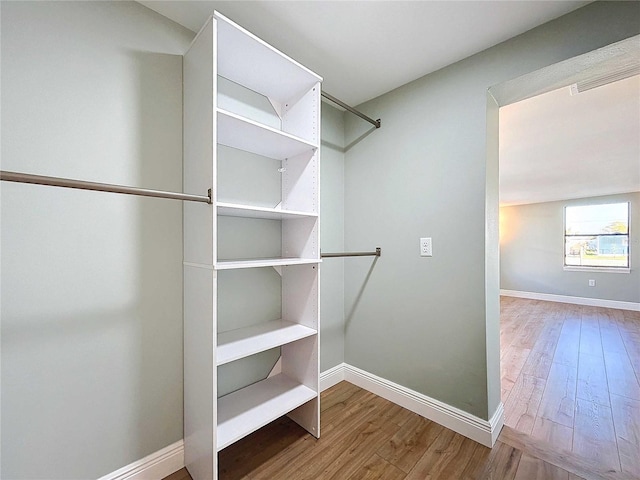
{"points": [[539, 361], [312, 453], [340, 393], [594, 435], [609, 333], [408, 445], [527, 336], [512, 366], [532, 468], [621, 376], [558, 400], [181, 474], [582, 467], [555, 434], [355, 452], [569, 342], [377, 468], [590, 342], [522, 405], [626, 420], [348, 447], [241, 458], [510, 325], [632, 346], [436, 457], [456, 466], [502, 463], [477, 461], [592, 379]]}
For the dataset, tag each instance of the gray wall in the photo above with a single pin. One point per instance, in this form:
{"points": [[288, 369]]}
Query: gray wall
{"points": [[332, 238], [532, 252], [91, 282], [422, 322]]}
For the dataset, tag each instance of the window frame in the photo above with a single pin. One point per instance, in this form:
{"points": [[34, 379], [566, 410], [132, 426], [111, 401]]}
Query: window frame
{"points": [[595, 268]]}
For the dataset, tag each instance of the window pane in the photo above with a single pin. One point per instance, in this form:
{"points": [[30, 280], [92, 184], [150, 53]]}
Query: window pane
{"points": [[597, 219], [597, 251]]}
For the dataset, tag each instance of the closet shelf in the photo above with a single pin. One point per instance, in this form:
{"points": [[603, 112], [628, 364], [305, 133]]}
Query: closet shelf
{"points": [[235, 210], [242, 342], [243, 412], [242, 133], [249, 61], [263, 262]]}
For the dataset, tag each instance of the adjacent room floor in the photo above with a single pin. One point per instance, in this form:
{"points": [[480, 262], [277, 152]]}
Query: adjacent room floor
{"points": [[570, 377]]}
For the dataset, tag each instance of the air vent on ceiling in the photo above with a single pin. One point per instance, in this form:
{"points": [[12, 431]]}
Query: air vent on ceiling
{"points": [[607, 78]]}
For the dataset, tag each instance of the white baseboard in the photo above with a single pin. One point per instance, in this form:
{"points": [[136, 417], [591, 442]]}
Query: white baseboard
{"points": [[331, 377], [482, 431], [152, 467], [593, 302]]}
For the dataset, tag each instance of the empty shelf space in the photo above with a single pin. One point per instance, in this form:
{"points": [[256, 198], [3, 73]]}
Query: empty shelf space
{"points": [[235, 210], [244, 134], [247, 60], [263, 262], [250, 408], [243, 342]]}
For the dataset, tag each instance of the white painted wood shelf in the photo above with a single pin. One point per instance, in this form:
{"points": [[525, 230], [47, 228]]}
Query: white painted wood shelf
{"points": [[245, 59], [250, 408], [243, 342], [236, 210], [263, 262], [242, 133]]}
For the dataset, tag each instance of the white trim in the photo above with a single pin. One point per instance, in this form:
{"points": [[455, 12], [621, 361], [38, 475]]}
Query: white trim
{"points": [[578, 268], [331, 377], [152, 467], [482, 431], [593, 302], [496, 422]]}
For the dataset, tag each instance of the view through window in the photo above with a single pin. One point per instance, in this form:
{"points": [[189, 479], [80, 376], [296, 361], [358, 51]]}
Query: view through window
{"points": [[597, 236]]}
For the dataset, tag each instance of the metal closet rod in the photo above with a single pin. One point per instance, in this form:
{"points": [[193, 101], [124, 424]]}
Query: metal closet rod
{"points": [[377, 253], [351, 109], [100, 187]]}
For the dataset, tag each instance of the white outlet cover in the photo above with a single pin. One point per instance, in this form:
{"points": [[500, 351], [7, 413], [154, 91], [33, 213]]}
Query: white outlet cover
{"points": [[425, 247]]}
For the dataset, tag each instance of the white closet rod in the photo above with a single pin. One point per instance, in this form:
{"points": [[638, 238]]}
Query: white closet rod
{"points": [[333, 99], [377, 253], [100, 187]]}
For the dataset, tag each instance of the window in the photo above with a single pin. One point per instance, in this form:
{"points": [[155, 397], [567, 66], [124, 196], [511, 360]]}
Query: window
{"points": [[597, 236]]}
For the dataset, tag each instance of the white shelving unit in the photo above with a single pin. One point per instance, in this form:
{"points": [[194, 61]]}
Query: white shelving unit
{"points": [[223, 49]]}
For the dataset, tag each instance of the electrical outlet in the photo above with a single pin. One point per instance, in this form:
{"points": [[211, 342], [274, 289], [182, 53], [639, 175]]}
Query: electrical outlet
{"points": [[425, 247], [592, 283]]}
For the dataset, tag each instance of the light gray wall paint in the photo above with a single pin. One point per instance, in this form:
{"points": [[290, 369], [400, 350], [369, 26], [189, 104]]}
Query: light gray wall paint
{"points": [[91, 282], [332, 238], [532, 252], [422, 322]]}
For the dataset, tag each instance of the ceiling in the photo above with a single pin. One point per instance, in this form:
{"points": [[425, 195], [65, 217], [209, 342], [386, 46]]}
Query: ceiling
{"points": [[366, 48], [558, 146]]}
